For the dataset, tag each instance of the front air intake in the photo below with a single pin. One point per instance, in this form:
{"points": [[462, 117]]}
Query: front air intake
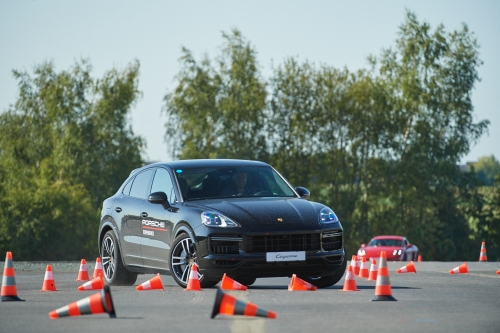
{"points": [[332, 241], [225, 245]]}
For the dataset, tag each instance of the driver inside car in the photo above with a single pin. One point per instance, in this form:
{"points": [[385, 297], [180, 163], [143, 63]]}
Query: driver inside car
{"points": [[237, 186]]}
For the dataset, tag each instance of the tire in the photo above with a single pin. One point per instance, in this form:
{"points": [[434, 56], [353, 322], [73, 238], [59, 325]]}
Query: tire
{"points": [[245, 280], [115, 272], [327, 281], [182, 254], [405, 258]]}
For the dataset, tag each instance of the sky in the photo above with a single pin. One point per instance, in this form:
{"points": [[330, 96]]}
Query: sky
{"points": [[112, 34]]}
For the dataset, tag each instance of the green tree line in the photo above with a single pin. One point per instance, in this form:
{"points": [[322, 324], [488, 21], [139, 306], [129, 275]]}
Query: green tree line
{"points": [[381, 146], [65, 146]]}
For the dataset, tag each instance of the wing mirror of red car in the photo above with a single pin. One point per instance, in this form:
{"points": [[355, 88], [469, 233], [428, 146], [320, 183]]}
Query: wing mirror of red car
{"points": [[363, 245], [408, 245], [159, 198]]}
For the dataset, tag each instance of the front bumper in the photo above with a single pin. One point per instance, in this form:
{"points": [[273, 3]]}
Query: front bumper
{"points": [[245, 255]]}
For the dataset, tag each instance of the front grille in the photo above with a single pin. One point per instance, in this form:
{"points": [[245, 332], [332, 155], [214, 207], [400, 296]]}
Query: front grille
{"points": [[332, 241], [279, 243]]}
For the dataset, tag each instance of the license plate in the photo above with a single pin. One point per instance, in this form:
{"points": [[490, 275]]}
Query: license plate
{"points": [[286, 256]]}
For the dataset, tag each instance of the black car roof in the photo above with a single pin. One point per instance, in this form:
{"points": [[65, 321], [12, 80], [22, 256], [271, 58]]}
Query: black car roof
{"points": [[208, 163]]}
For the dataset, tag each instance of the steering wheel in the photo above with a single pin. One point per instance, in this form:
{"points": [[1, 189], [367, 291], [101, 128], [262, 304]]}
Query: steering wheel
{"points": [[258, 192]]}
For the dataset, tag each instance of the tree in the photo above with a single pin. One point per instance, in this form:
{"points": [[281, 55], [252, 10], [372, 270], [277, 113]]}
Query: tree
{"points": [[64, 147], [379, 146], [487, 167], [218, 111], [430, 76], [291, 121]]}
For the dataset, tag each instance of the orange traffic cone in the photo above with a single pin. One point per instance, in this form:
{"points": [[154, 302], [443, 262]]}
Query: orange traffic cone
{"points": [[363, 271], [94, 304], [349, 282], [151, 284], [297, 283], [194, 279], [9, 289], [48, 282], [228, 305], [409, 268], [98, 268], [94, 284], [419, 258], [229, 284], [498, 272], [383, 291], [482, 254], [83, 274], [355, 265], [373, 271], [462, 269]]}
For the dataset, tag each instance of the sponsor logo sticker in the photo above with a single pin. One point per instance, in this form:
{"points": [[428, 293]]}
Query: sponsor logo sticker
{"points": [[153, 225], [148, 232]]}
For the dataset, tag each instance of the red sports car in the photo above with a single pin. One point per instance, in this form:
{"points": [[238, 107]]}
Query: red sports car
{"points": [[397, 248]]}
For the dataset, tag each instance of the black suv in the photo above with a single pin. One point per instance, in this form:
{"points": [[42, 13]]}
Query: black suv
{"points": [[236, 217]]}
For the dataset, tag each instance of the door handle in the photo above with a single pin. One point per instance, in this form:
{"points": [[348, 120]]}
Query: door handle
{"points": [[144, 214], [118, 209]]}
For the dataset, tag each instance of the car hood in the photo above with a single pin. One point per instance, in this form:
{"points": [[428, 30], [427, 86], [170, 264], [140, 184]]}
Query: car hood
{"points": [[266, 214]]}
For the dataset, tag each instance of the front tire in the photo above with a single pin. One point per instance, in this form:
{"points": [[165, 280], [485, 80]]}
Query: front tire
{"points": [[115, 272], [245, 280], [183, 253], [327, 281]]}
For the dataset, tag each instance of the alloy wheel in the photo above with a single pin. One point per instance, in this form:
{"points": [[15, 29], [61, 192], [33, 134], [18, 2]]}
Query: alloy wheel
{"points": [[183, 254], [108, 257]]}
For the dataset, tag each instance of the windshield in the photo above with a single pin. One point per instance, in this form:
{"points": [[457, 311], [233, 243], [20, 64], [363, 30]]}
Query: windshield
{"points": [[227, 182], [386, 242]]}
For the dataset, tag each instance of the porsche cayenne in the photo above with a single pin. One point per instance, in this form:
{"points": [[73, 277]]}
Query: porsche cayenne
{"points": [[236, 217]]}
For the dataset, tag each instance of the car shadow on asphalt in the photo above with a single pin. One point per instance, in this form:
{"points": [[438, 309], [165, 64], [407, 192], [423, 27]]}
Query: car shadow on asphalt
{"points": [[338, 287], [373, 287]]}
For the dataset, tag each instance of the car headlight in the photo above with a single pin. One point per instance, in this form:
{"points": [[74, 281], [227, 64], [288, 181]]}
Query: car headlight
{"points": [[212, 219], [326, 215]]}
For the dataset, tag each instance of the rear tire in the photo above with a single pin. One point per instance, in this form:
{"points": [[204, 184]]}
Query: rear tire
{"points": [[115, 272], [327, 281]]}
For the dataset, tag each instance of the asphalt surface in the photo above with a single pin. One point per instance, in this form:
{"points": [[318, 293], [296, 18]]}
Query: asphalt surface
{"points": [[431, 300]]}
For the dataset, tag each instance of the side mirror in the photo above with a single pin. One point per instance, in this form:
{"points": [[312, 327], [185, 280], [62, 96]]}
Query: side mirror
{"points": [[159, 198], [408, 245], [303, 192], [363, 245]]}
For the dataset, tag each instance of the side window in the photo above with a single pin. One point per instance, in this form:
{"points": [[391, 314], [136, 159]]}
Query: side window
{"points": [[126, 189], [163, 183], [141, 184]]}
